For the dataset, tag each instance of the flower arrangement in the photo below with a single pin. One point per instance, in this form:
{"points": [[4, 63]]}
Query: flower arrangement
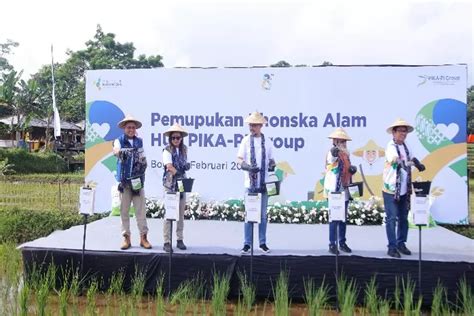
{"points": [[360, 212]]}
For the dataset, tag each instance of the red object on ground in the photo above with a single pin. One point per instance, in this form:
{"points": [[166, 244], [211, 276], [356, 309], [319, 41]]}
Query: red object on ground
{"points": [[470, 138]]}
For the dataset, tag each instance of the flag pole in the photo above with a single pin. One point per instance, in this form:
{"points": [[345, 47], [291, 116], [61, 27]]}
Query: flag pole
{"points": [[57, 128]]}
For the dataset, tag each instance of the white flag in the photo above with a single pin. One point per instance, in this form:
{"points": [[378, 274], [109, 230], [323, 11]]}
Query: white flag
{"points": [[57, 122]]}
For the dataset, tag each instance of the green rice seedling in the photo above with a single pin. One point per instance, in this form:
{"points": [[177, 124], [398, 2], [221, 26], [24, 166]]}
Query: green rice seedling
{"points": [[247, 297], [91, 297], [74, 290], [131, 305], [42, 297], [316, 298], [181, 297], [160, 301], [220, 291], [281, 295], [51, 276], [347, 292], [264, 308], [204, 310], [440, 304], [197, 294], [409, 307], [371, 298], [383, 308], [123, 308], [63, 296], [24, 297], [10, 264], [138, 286], [397, 295], [465, 298], [116, 283]]}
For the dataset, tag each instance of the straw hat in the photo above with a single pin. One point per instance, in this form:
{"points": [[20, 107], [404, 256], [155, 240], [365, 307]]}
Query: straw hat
{"points": [[129, 118], [400, 122], [176, 128], [370, 146], [339, 133], [255, 118]]}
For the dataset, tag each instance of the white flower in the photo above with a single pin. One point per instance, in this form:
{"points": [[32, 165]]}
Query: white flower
{"points": [[363, 216], [296, 220]]}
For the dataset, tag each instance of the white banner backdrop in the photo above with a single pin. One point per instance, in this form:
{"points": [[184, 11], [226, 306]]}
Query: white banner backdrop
{"points": [[303, 106]]}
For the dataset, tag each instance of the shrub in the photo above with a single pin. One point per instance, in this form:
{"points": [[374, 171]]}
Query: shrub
{"points": [[20, 225], [26, 162]]}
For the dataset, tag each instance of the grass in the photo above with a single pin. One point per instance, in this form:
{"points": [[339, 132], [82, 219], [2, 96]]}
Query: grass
{"points": [[408, 305], [247, 297], [372, 299], [466, 298], [281, 295], [316, 298], [38, 295], [440, 304], [159, 296], [220, 291], [347, 292], [39, 195]]}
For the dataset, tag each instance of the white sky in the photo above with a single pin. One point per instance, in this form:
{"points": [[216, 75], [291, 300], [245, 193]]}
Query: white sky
{"points": [[248, 32]]}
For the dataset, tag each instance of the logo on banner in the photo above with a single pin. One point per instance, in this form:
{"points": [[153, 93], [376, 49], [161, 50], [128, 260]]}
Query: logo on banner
{"points": [[267, 81], [445, 80], [441, 128], [102, 118], [105, 84]]}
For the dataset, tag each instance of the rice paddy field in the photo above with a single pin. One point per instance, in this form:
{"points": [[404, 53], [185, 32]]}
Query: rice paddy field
{"points": [[42, 294]]}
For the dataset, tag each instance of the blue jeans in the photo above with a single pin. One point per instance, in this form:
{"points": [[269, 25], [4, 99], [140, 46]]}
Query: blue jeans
{"points": [[262, 227], [396, 213], [341, 230]]}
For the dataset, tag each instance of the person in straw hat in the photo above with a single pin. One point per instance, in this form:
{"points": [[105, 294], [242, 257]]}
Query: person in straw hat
{"points": [[131, 166], [175, 162], [338, 176], [255, 157], [397, 187]]}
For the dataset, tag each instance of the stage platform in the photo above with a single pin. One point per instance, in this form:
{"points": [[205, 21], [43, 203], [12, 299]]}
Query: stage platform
{"points": [[301, 249]]}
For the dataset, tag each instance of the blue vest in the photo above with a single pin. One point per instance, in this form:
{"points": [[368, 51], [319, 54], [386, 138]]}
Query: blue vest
{"points": [[124, 143]]}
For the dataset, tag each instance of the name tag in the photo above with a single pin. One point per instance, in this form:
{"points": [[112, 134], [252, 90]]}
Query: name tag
{"points": [[180, 186], [271, 188], [136, 184]]}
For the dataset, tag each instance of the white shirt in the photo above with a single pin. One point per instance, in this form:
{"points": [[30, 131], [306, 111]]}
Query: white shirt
{"points": [[118, 147], [244, 153], [167, 157], [117, 143], [392, 155]]}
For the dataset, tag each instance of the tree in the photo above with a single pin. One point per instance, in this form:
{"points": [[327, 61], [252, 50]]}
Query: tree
{"points": [[19, 97], [5, 49], [326, 63], [470, 110], [281, 63], [102, 52]]}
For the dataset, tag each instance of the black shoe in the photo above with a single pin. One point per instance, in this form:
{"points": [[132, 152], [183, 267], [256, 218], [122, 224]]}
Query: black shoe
{"points": [[167, 247], [180, 244], [333, 249], [404, 250], [393, 253], [344, 247], [246, 249], [264, 248]]}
